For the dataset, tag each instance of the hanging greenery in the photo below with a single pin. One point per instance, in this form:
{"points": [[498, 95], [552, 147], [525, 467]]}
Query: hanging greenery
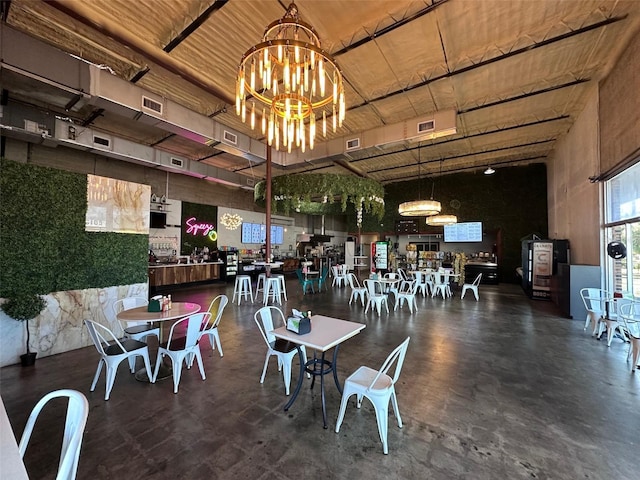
{"points": [[318, 194]]}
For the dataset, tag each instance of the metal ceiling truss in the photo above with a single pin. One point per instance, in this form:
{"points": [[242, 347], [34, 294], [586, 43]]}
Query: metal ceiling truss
{"points": [[498, 163], [184, 34], [464, 155], [480, 134], [389, 28], [525, 95], [489, 61]]}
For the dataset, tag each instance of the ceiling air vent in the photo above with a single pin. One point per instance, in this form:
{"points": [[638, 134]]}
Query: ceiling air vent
{"points": [[427, 126], [353, 144], [102, 142], [177, 162], [230, 138], [152, 105]]}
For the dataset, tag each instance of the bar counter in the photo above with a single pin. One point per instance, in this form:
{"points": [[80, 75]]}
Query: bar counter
{"points": [[163, 274]]}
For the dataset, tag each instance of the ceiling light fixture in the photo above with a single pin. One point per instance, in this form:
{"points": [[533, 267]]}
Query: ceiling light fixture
{"points": [[441, 220], [489, 171], [420, 208], [294, 79]]}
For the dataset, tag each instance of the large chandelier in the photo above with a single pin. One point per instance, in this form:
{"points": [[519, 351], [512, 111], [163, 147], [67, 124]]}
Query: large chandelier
{"points": [[441, 220], [292, 80]]}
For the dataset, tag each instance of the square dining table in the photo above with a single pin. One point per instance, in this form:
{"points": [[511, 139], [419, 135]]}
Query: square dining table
{"points": [[326, 333]]}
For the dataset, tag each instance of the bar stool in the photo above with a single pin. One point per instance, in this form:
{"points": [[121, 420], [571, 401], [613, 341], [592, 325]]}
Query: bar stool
{"points": [[283, 285], [242, 287], [271, 289], [260, 284]]}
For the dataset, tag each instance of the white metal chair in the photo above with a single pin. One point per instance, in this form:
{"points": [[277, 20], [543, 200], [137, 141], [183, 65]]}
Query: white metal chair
{"points": [[393, 288], [267, 319], [630, 314], [357, 291], [428, 281], [439, 285], [379, 388], [403, 275], [376, 296], [113, 351], [135, 330], [75, 421], [594, 300], [339, 276], [421, 280], [612, 322], [182, 348], [472, 286], [210, 328], [407, 293]]}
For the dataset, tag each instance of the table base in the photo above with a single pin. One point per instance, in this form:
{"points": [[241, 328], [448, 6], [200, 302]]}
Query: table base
{"points": [[316, 367], [164, 372]]}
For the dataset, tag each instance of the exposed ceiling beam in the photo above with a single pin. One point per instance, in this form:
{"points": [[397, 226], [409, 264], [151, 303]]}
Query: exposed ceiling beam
{"points": [[193, 26], [489, 61], [389, 28], [92, 116], [471, 167], [525, 95], [5, 5], [189, 29], [470, 154], [466, 137], [85, 14]]}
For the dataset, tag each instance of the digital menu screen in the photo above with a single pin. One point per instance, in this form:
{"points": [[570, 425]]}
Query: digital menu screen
{"points": [[463, 232], [256, 233]]}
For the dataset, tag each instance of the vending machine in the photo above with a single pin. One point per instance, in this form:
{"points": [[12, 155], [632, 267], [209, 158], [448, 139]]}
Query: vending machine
{"points": [[379, 257], [540, 259]]}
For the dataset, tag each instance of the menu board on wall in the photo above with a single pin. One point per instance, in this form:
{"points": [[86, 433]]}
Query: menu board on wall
{"points": [[406, 226], [256, 233], [463, 232]]}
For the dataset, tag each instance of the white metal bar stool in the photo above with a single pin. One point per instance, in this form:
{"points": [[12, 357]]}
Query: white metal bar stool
{"points": [[283, 285], [242, 287], [260, 284], [272, 290]]}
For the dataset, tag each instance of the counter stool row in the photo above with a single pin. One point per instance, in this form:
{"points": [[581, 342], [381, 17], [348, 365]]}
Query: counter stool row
{"points": [[273, 288]]}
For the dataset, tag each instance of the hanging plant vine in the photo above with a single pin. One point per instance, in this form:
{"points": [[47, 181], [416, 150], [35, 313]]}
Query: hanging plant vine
{"points": [[318, 194]]}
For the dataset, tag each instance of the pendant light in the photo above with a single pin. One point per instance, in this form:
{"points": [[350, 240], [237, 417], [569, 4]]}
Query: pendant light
{"points": [[420, 208], [441, 220]]}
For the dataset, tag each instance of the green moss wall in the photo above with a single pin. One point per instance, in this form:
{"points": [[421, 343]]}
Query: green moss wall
{"points": [[512, 201], [44, 245]]}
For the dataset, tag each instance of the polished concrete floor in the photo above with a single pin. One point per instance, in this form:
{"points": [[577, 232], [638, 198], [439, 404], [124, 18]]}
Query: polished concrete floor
{"points": [[503, 388]]}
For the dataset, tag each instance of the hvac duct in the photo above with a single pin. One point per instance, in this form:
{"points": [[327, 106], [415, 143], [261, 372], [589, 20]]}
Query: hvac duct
{"points": [[70, 135]]}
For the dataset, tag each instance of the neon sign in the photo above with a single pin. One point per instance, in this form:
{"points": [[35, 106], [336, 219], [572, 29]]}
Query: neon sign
{"points": [[204, 229]]}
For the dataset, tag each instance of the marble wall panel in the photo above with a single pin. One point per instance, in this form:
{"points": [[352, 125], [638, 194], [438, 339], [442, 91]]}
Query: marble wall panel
{"points": [[59, 328]]}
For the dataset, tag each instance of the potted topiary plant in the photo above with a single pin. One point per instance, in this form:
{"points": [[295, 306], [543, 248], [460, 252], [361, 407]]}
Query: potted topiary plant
{"points": [[23, 307]]}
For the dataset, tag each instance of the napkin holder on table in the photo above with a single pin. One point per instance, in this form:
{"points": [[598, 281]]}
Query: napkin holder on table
{"points": [[154, 305], [299, 325]]}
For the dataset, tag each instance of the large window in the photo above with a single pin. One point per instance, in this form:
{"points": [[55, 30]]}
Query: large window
{"points": [[623, 225]]}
